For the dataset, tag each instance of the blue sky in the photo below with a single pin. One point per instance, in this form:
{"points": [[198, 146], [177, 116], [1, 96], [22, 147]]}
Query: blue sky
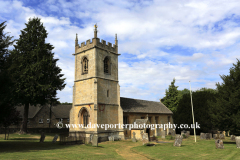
{"points": [[158, 40]]}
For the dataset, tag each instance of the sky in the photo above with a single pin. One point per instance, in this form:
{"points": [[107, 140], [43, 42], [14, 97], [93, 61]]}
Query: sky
{"points": [[189, 40]]}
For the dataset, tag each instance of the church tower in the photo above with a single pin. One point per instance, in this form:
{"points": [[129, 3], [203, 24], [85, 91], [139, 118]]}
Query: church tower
{"points": [[96, 93]]}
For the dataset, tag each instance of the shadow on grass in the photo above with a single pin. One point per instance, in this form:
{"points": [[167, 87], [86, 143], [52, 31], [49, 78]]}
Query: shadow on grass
{"points": [[27, 146], [24, 139], [229, 142]]}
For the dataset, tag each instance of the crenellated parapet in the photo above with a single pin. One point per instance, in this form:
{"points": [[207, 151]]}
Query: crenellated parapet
{"points": [[96, 43]]}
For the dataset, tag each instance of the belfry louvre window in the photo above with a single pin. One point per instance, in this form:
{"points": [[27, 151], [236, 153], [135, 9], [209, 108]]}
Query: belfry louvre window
{"points": [[106, 65], [85, 65]]}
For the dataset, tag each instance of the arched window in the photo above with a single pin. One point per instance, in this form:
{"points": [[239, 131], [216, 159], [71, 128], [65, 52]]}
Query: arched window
{"points": [[85, 65], [106, 65], [84, 117]]}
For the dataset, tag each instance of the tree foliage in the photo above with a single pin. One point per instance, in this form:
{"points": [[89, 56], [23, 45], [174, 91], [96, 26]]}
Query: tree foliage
{"points": [[34, 70], [171, 98], [6, 85], [201, 108], [225, 112]]}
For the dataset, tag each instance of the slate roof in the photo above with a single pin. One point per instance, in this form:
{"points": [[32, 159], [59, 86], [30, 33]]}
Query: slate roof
{"points": [[143, 106], [31, 112], [61, 111]]}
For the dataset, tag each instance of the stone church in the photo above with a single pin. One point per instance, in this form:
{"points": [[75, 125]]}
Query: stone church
{"points": [[96, 95]]}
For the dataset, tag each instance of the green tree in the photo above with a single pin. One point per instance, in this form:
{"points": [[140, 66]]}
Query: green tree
{"points": [[34, 70], [6, 87], [225, 112], [171, 98], [201, 107]]}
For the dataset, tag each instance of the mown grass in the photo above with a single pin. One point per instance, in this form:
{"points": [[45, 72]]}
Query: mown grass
{"points": [[202, 149], [28, 147]]}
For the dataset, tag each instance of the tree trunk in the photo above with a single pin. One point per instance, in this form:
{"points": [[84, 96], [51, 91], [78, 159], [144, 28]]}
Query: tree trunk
{"points": [[5, 132], [25, 118], [8, 133]]}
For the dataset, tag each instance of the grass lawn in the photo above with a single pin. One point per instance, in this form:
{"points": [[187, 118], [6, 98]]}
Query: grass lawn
{"points": [[28, 147]]}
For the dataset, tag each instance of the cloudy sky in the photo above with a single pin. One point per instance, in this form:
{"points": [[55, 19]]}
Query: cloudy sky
{"points": [[158, 40]]}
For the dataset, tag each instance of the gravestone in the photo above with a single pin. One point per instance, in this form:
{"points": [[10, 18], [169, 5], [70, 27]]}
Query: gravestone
{"points": [[145, 138], [178, 141], [237, 139], [219, 144], [215, 136], [208, 136], [202, 136], [134, 138], [188, 133], [173, 133], [91, 137], [183, 132], [163, 134], [233, 137], [111, 138], [95, 140], [55, 138], [221, 136], [42, 137]]}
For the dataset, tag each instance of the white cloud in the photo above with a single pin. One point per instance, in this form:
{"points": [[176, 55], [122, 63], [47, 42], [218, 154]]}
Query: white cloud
{"points": [[209, 28]]}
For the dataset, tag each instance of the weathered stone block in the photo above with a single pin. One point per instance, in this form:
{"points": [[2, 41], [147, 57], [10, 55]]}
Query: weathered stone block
{"points": [[95, 140], [237, 139], [219, 144], [42, 137], [178, 141], [163, 134], [221, 136], [134, 137], [145, 138], [202, 136], [207, 136], [233, 137], [55, 138], [215, 136]]}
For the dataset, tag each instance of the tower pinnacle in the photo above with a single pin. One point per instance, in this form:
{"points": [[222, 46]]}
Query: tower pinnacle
{"points": [[76, 40], [95, 30], [116, 41]]}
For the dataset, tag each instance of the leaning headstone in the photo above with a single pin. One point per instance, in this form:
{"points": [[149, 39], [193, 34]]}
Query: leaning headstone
{"points": [[219, 144], [221, 136], [163, 134], [55, 138], [95, 140], [134, 138], [202, 135], [215, 136], [178, 141], [237, 139], [208, 136], [233, 137], [145, 138], [42, 137]]}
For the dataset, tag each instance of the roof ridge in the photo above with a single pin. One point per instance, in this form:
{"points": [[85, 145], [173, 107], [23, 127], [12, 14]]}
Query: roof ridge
{"points": [[139, 99]]}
